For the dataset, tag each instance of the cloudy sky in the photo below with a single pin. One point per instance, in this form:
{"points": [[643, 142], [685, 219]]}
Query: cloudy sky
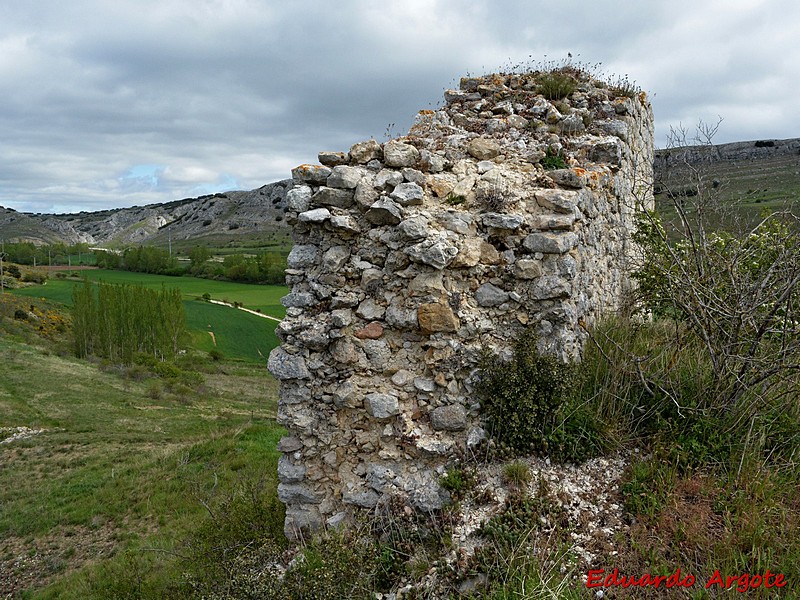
{"points": [[107, 103]]}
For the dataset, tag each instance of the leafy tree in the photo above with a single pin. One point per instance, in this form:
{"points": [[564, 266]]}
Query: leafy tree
{"points": [[121, 321], [736, 292], [198, 256]]}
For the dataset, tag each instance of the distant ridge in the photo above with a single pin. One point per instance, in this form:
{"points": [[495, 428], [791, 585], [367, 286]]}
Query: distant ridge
{"points": [[734, 151], [214, 219]]}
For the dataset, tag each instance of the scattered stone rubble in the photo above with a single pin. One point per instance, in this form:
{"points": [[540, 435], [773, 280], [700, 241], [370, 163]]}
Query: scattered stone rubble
{"points": [[589, 493], [13, 434], [413, 255]]}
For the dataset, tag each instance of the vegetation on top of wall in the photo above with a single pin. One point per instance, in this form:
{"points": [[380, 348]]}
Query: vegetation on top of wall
{"points": [[556, 85]]}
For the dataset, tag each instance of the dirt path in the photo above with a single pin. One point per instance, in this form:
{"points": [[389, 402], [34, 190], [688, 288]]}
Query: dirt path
{"points": [[252, 312]]}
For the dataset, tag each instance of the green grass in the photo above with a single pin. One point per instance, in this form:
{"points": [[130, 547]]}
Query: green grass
{"points": [[57, 290], [256, 297], [745, 191], [238, 334], [116, 468]]}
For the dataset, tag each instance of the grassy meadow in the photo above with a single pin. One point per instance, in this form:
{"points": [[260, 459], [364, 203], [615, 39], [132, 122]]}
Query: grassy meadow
{"points": [[745, 192]]}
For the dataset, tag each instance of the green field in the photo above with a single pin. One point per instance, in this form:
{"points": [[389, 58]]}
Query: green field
{"points": [[238, 334]]}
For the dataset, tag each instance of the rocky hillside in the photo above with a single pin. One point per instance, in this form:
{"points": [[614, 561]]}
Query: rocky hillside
{"points": [[733, 152], [215, 218]]}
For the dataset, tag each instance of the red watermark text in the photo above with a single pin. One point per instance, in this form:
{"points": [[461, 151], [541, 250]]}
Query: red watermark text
{"points": [[741, 583]]}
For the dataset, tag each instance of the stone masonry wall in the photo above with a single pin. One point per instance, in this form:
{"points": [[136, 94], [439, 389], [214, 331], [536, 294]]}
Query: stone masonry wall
{"points": [[412, 255]]}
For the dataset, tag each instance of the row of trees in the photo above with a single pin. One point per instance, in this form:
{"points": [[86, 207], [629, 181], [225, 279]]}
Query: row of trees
{"points": [[142, 259], [119, 321], [265, 268], [26, 253]]}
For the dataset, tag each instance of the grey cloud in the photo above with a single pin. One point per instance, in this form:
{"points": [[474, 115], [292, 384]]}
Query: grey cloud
{"points": [[242, 90]]}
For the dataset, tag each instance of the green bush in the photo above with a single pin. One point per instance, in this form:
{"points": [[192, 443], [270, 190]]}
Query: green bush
{"points": [[517, 473], [34, 277], [454, 199], [166, 370], [556, 85], [528, 402], [458, 482]]}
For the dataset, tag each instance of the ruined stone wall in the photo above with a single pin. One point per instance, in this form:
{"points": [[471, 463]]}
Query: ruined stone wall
{"points": [[413, 255]]}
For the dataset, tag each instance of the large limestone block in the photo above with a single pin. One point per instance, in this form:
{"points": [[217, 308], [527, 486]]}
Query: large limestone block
{"points": [[436, 252], [490, 295], [384, 212], [437, 317], [313, 174], [363, 152], [551, 243], [483, 148], [400, 154], [449, 418], [327, 196], [344, 177], [287, 366], [382, 406]]}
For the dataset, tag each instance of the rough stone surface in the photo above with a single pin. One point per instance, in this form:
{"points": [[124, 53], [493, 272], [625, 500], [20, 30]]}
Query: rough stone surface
{"points": [[400, 154], [333, 159], [387, 179], [302, 256], [412, 257], [526, 268], [363, 152], [499, 221], [373, 331], [287, 366], [384, 212], [415, 228], [557, 200], [298, 199], [327, 196], [317, 215], [438, 253], [490, 295], [311, 174], [483, 149], [344, 177], [382, 406], [449, 418], [551, 242], [288, 472], [408, 194]]}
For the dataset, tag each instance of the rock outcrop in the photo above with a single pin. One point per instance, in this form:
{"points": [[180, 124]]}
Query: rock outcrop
{"points": [[228, 215], [414, 255]]}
